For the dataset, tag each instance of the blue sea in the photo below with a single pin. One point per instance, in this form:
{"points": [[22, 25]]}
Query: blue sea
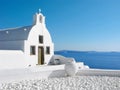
{"points": [[99, 60]]}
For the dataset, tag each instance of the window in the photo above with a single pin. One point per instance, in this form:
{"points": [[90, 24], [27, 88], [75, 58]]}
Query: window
{"points": [[32, 50], [47, 50], [40, 39]]}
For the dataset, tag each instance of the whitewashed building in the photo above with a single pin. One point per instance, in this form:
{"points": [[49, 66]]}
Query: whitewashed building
{"points": [[26, 46]]}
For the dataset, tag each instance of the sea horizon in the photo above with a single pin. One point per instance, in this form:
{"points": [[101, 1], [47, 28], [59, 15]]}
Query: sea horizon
{"points": [[94, 59], [86, 50]]}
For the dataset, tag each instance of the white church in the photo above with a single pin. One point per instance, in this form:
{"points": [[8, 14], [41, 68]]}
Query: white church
{"points": [[28, 46]]}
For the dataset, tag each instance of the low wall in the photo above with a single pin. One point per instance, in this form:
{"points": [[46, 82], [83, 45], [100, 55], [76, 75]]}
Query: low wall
{"points": [[99, 72], [12, 59], [80, 65], [90, 72], [58, 71]]}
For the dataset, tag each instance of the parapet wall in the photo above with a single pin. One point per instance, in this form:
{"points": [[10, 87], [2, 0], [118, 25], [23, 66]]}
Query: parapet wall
{"points": [[58, 71], [99, 72], [89, 72]]}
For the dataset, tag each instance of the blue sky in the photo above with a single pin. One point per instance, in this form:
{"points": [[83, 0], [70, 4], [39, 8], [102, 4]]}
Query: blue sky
{"points": [[85, 25]]}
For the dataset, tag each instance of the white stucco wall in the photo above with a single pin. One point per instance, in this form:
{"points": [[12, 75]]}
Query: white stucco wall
{"points": [[33, 40], [12, 59]]}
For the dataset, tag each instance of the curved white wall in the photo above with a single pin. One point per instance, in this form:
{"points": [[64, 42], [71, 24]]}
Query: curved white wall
{"points": [[33, 40]]}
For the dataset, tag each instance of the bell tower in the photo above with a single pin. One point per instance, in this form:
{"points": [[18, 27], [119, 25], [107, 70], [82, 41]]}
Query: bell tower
{"points": [[39, 18]]}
